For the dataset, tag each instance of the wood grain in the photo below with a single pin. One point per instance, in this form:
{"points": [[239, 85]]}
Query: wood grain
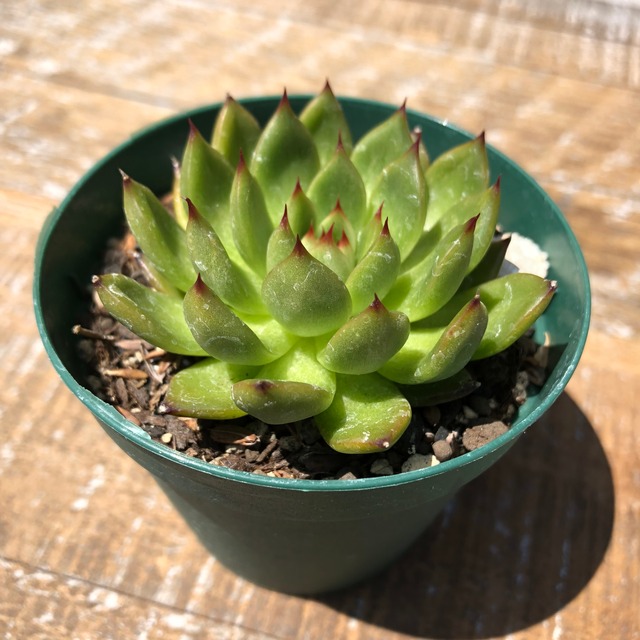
{"points": [[543, 546]]}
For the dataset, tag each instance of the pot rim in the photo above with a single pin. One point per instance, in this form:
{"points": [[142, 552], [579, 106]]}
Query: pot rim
{"points": [[107, 414]]}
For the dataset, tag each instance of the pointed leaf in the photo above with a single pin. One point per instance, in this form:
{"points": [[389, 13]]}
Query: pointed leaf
{"points": [[219, 331], [285, 153], [456, 174], [205, 178], [369, 233], [366, 341], [431, 284], [301, 211], [154, 316], [380, 146], [325, 120], [235, 130], [403, 189], [340, 180], [376, 272], [326, 250], [281, 242], [436, 354], [250, 222], [203, 390], [368, 414], [233, 284], [305, 296], [486, 204], [338, 222], [292, 388], [514, 303], [160, 237]]}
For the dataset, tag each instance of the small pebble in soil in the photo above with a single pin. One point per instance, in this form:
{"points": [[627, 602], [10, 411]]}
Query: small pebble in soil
{"points": [[475, 437]]}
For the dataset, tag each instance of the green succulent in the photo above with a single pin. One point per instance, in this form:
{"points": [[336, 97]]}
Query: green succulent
{"points": [[320, 278]]}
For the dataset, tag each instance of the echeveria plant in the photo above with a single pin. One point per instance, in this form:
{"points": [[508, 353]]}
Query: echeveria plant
{"points": [[320, 278]]}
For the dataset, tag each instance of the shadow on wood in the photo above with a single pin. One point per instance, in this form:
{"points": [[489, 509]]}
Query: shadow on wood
{"points": [[514, 547]]}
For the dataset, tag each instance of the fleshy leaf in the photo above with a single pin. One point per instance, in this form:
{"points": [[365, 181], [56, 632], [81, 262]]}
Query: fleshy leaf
{"points": [[160, 237], [454, 175], [281, 242], [228, 280], [305, 296], [326, 250], [381, 146], [486, 204], [325, 120], [339, 223], [366, 341], [376, 272], [416, 135], [339, 180], [154, 316], [292, 388], [403, 189], [436, 354], [301, 211], [235, 131], [219, 331], [285, 153], [431, 284], [368, 414], [203, 390], [250, 222], [514, 303], [206, 178], [369, 233]]}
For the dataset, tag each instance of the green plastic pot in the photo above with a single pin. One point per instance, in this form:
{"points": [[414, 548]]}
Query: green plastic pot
{"points": [[296, 536]]}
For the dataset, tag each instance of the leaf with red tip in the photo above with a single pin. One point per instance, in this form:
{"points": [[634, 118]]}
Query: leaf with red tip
{"points": [[381, 146], [221, 332], [428, 286], [338, 221], [302, 213], [284, 154], [250, 222], [235, 130], [326, 250], [403, 189], [305, 296], [376, 272], [455, 175], [366, 341], [439, 353], [514, 303], [340, 180], [203, 390], [236, 286], [154, 316], [292, 388], [206, 178], [325, 120], [368, 414], [161, 239], [281, 242]]}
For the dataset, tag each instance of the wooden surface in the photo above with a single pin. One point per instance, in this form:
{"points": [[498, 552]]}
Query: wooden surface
{"points": [[545, 545]]}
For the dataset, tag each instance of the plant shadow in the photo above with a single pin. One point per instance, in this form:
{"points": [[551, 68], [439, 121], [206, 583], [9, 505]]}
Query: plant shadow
{"points": [[514, 546]]}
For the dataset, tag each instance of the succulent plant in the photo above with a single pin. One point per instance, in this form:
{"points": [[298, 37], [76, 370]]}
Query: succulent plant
{"points": [[315, 277]]}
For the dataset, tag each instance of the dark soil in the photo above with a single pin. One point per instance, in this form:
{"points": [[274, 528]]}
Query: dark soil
{"points": [[133, 375]]}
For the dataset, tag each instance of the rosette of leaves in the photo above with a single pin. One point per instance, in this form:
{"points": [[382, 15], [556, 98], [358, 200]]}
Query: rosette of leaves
{"points": [[318, 277]]}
